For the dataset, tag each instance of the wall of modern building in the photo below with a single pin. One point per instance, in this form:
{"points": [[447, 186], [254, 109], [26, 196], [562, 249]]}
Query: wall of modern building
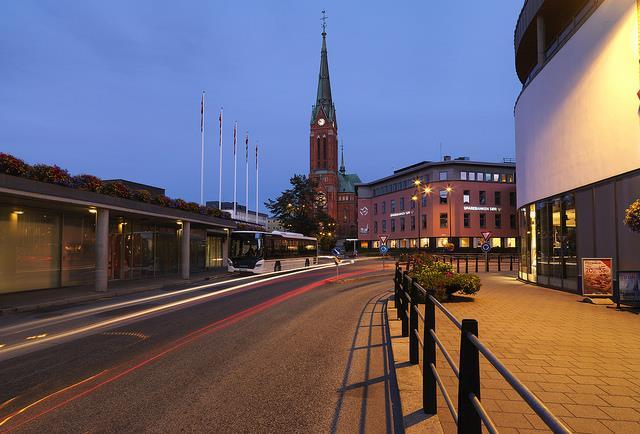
{"points": [[577, 121]]}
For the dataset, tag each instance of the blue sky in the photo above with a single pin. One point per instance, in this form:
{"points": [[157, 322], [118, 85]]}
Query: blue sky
{"points": [[112, 88]]}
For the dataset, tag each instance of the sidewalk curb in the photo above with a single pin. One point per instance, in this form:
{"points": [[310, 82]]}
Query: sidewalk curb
{"points": [[409, 380]]}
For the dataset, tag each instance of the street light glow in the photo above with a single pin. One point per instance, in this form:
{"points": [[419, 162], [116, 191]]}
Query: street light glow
{"points": [[414, 197]]}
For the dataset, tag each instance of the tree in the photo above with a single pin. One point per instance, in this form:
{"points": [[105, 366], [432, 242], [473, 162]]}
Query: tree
{"points": [[301, 208]]}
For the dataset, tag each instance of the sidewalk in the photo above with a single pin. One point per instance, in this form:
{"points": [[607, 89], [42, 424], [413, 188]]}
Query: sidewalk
{"points": [[47, 298], [582, 360]]}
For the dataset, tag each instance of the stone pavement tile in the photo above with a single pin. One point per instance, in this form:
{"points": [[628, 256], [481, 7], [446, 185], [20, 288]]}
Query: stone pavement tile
{"points": [[558, 409], [510, 420], [537, 423], [622, 413], [614, 381], [559, 370], [493, 394], [555, 378], [586, 411], [586, 399], [622, 427], [621, 401], [586, 388], [515, 407], [555, 387], [584, 379], [585, 426], [554, 397], [618, 390], [532, 431]]}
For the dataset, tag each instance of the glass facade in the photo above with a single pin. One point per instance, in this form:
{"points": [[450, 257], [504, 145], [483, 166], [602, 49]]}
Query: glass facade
{"points": [[548, 242]]}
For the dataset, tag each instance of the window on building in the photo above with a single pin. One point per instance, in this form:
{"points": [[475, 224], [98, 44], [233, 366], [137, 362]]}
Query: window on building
{"points": [[424, 200], [487, 177], [442, 242], [482, 197], [496, 177], [444, 220], [393, 244], [467, 220], [402, 204], [384, 207], [496, 242], [443, 176], [443, 197], [511, 178], [463, 176], [402, 227], [497, 198], [393, 205], [472, 176], [479, 176], [375, 227], [464, 242], [503, 177], [424, 242], [512, 198], [510, 243], [393, 225], [498, 221], [512, 221], [324, 149], [483, 221], [413, 223], [423, 221], [384, 226], [375, 209], [466, 197]]}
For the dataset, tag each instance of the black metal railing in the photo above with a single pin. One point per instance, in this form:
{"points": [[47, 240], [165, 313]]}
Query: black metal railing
{"points": [[465, 263], [469, 415]]}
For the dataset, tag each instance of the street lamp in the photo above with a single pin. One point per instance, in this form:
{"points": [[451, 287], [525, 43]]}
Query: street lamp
{"points": [[449, 190], [417, 197]]}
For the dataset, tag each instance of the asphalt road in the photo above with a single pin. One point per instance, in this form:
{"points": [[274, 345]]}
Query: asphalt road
{"points": [[304, 353]]}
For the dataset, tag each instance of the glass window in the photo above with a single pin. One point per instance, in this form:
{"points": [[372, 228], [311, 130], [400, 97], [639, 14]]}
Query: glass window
{"points": [[443, 176], [466, 197], [376, 244], [479, 176], [496, 242], [464, 242], [503, 177], [375, 227], [510, 243], [424, 200], [482, 197], [498, 220], [487, 177], [512, 198], [467, 220], [413, 243], [442, 242], [443, 197], [423, 220], [463, 176], [413, 223], [477, 242], [443, 220], [78, 249], [413, 204], [402, 204], [496, 177], [375, 209], [483, 220], [512, 221], [393, 244], [424, 242], [511, 178], [393, 205], [402, 227], [472, 176], [497, 198], [393, 225], [384, 207]]}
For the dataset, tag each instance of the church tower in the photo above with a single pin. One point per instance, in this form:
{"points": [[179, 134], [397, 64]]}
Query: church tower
{"points": [[323, 138]]}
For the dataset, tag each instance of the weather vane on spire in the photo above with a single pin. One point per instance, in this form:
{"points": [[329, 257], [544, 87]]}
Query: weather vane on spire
{"points": [[324, 21]]}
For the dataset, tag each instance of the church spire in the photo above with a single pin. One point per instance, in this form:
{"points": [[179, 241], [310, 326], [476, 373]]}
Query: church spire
{"points": [[323, 98], [343, 170]]}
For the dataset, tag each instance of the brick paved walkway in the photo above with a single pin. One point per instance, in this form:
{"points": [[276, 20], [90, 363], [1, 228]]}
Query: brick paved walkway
{"points": [[582, 360]]}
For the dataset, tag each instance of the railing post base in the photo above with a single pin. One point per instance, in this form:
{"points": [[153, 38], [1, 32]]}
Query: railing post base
{"points": [[469, 421]]}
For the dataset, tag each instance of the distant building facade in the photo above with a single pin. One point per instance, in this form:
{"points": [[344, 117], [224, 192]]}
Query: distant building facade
{"points": [[241, 215], [337, 186], [463, 199]]}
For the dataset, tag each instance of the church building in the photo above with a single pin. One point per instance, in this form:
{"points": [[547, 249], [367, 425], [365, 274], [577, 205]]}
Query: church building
{"points": [[335, 183]]}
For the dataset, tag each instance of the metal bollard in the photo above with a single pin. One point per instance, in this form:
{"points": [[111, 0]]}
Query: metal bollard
{"points": [[458, 264], [468, 418], [396, 287], [429, 385], [413, 325], [510, 262], [499, 258], [476, 263]]}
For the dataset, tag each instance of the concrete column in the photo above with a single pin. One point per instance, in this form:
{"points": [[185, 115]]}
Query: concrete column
{"points": [[541, 39], [102, 249], [225, 248], [185, 250]]}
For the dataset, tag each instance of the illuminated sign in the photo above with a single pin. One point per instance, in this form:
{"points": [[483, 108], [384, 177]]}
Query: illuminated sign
{"points": [[398, 214], [482, 208]]}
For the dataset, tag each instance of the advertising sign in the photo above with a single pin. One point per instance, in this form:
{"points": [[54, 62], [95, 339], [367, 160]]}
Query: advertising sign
{"points": [[629, 282], [597, 277]]}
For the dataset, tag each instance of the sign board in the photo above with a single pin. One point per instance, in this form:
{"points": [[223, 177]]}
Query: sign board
{"points": [[383, 239], [485, 247], [486, 235], [384, 249], [335, 251], [629, 283], [597, 277], [364, 210]]}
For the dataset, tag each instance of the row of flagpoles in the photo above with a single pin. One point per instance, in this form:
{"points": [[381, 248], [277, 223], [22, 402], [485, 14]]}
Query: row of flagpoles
{"points": [[235, 165]]}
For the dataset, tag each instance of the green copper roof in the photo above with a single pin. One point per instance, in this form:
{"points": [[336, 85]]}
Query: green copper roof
{"points": [[323, 98], [347, 183]]}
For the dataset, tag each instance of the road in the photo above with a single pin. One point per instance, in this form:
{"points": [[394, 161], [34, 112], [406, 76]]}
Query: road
{"points": [[300, 353]]}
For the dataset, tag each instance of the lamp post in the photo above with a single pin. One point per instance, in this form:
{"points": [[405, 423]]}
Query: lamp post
{"points": [[449, 190], [417, 197]]}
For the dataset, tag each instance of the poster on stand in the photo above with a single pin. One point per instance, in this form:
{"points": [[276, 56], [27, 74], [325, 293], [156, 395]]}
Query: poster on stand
{"points": [[597, 277], [629, 282]]}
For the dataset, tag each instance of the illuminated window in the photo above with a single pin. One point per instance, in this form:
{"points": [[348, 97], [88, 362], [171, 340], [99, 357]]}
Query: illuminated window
{"points": [[466, 197], [496, 242], [424, 242], [393, 244], [376, 244], [510, 242], [442, 242], [496, 177], [464, 242], [443, 197], [444, 219]]}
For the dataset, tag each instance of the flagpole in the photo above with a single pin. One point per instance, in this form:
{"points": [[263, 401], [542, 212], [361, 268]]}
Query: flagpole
{"points": [[202, 150], [246, 179], [235, 166], [220, 168], [256, 183]]}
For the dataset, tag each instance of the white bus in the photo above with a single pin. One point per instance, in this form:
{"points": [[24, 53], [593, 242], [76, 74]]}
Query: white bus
{"points": [[262, 252]]}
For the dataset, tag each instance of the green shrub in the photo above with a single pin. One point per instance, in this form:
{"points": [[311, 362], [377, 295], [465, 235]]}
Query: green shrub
{"points": [[439, 279]]}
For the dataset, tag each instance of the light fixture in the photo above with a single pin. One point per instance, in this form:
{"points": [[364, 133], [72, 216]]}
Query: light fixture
{"points": [[179, 222], [93, 210], [18, 212], [427, 190], [414, 197], [449, 189], [416, 182]]}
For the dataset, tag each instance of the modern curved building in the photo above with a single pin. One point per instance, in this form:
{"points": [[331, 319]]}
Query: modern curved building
{"points": [[577, 125]]}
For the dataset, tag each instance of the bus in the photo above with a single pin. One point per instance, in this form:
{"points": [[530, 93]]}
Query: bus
{"points": [[262, 252]]}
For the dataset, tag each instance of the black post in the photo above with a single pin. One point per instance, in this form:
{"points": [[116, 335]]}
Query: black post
{"points": [[476, 263], [469, 421], [429, 399], [413, 325], [451, 259], [486, 262], [510, 262], [458, 264], [499, 257], [466, 264], [396, 286], [405, 314]]}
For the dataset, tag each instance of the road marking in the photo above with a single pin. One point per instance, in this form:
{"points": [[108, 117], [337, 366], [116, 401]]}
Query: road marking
{"points": [[119, 319], [179, 343]]}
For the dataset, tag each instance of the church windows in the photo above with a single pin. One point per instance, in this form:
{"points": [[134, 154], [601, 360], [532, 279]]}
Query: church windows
{"points": [[319, 157], [324, 149]]}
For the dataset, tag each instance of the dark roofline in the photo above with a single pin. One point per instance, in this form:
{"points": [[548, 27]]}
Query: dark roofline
{"points": [[420, 166]]}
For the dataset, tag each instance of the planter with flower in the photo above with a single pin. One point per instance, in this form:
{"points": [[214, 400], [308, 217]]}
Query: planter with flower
{"points": [[632, 216], [439, 279]]}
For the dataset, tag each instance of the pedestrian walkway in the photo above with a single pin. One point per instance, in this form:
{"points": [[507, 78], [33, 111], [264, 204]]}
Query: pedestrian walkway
{"points": [[582, 360]]}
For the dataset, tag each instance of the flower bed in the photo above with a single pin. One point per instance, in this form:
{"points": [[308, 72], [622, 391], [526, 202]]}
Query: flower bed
{"points": [[440, 279], [13, 166]]}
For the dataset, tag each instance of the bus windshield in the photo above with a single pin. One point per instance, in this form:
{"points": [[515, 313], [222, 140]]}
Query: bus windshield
{"points": [[246, 246]]}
